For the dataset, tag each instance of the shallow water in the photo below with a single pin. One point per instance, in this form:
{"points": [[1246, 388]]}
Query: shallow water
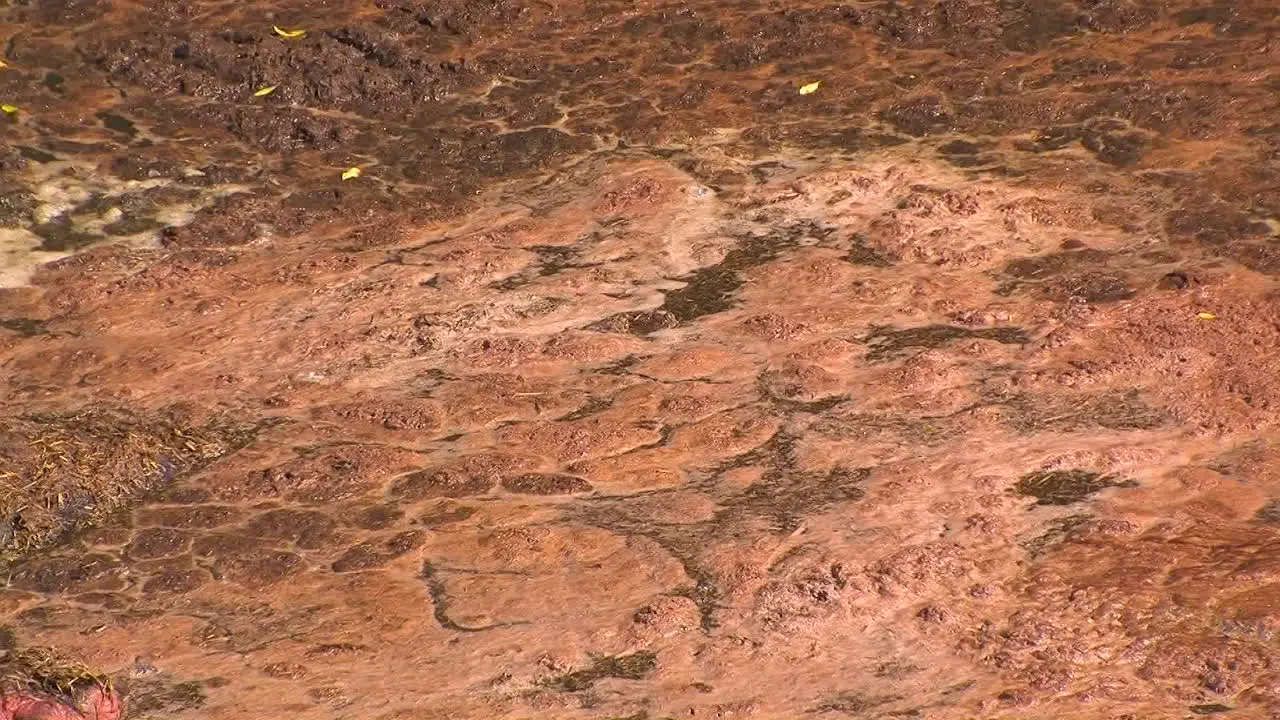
{"points": [[627, 381]]}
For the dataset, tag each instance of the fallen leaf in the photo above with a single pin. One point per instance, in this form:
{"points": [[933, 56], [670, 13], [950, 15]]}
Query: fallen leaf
{"points": [[351, 173], [265, 90], [1206, 316], [9, 109], [288, 34], [810, 88], [3, 64]]}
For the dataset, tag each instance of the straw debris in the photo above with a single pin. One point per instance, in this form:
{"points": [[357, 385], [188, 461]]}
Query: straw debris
{"points": [[63, 472]]}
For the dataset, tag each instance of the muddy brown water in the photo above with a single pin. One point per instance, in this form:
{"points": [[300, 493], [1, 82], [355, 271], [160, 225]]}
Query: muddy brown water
{"points": [[627, 381]]}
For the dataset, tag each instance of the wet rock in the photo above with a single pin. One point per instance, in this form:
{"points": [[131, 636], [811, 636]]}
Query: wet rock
{"points": [[694, 458], [919, 117], [860, 253], [376, 517], [444, 516], [1263, 257], [229, 222], [11, 159], [107, 536], [1214, 224], [1113, 410], [25, 327], [1066, 487], [884, 343], [140, 167], [523, 151], [1045, 266], [152, 543], [473, 476], [1050, 138], [62, 574], [376, 553], [546, 484], [960, 147], [246, 560], [307, 529], [285, 671], [63, 12], [636, 666], [36, 154], [163, 697], [185, 495], [201, 516], [16, 206], [60, 235], [118, 123], [854, 703], [1092, 287], [1114, 142], [1174, 281], [174, 582], [132, 226], [339, 474]]}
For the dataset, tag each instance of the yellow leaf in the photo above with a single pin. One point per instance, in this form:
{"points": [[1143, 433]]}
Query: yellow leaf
{"points": [[3, 64], [265, 90], [351, 173], [9, 109], [810, 88], [288, 34], [1206, 316]]}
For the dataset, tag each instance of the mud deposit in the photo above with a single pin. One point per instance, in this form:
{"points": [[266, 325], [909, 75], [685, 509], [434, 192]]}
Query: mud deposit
{"points": [[627, 381]]}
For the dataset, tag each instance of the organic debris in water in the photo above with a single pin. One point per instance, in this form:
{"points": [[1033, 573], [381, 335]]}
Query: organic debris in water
{"points": [[47, 670], [66, 471], [636, 666], [886, 342], [1065, 487]]}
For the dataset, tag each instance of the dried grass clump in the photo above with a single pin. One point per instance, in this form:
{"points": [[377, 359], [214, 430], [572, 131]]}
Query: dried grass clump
{"points": [[63, 472], [46, 670]]}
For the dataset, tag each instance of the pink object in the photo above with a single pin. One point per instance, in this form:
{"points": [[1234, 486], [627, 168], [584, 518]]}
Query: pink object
{"points": [[98, 703]]}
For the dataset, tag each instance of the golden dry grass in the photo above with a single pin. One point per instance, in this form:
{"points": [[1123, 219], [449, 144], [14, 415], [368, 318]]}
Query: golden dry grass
{"points": [[62, 472], [47, 670]]}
